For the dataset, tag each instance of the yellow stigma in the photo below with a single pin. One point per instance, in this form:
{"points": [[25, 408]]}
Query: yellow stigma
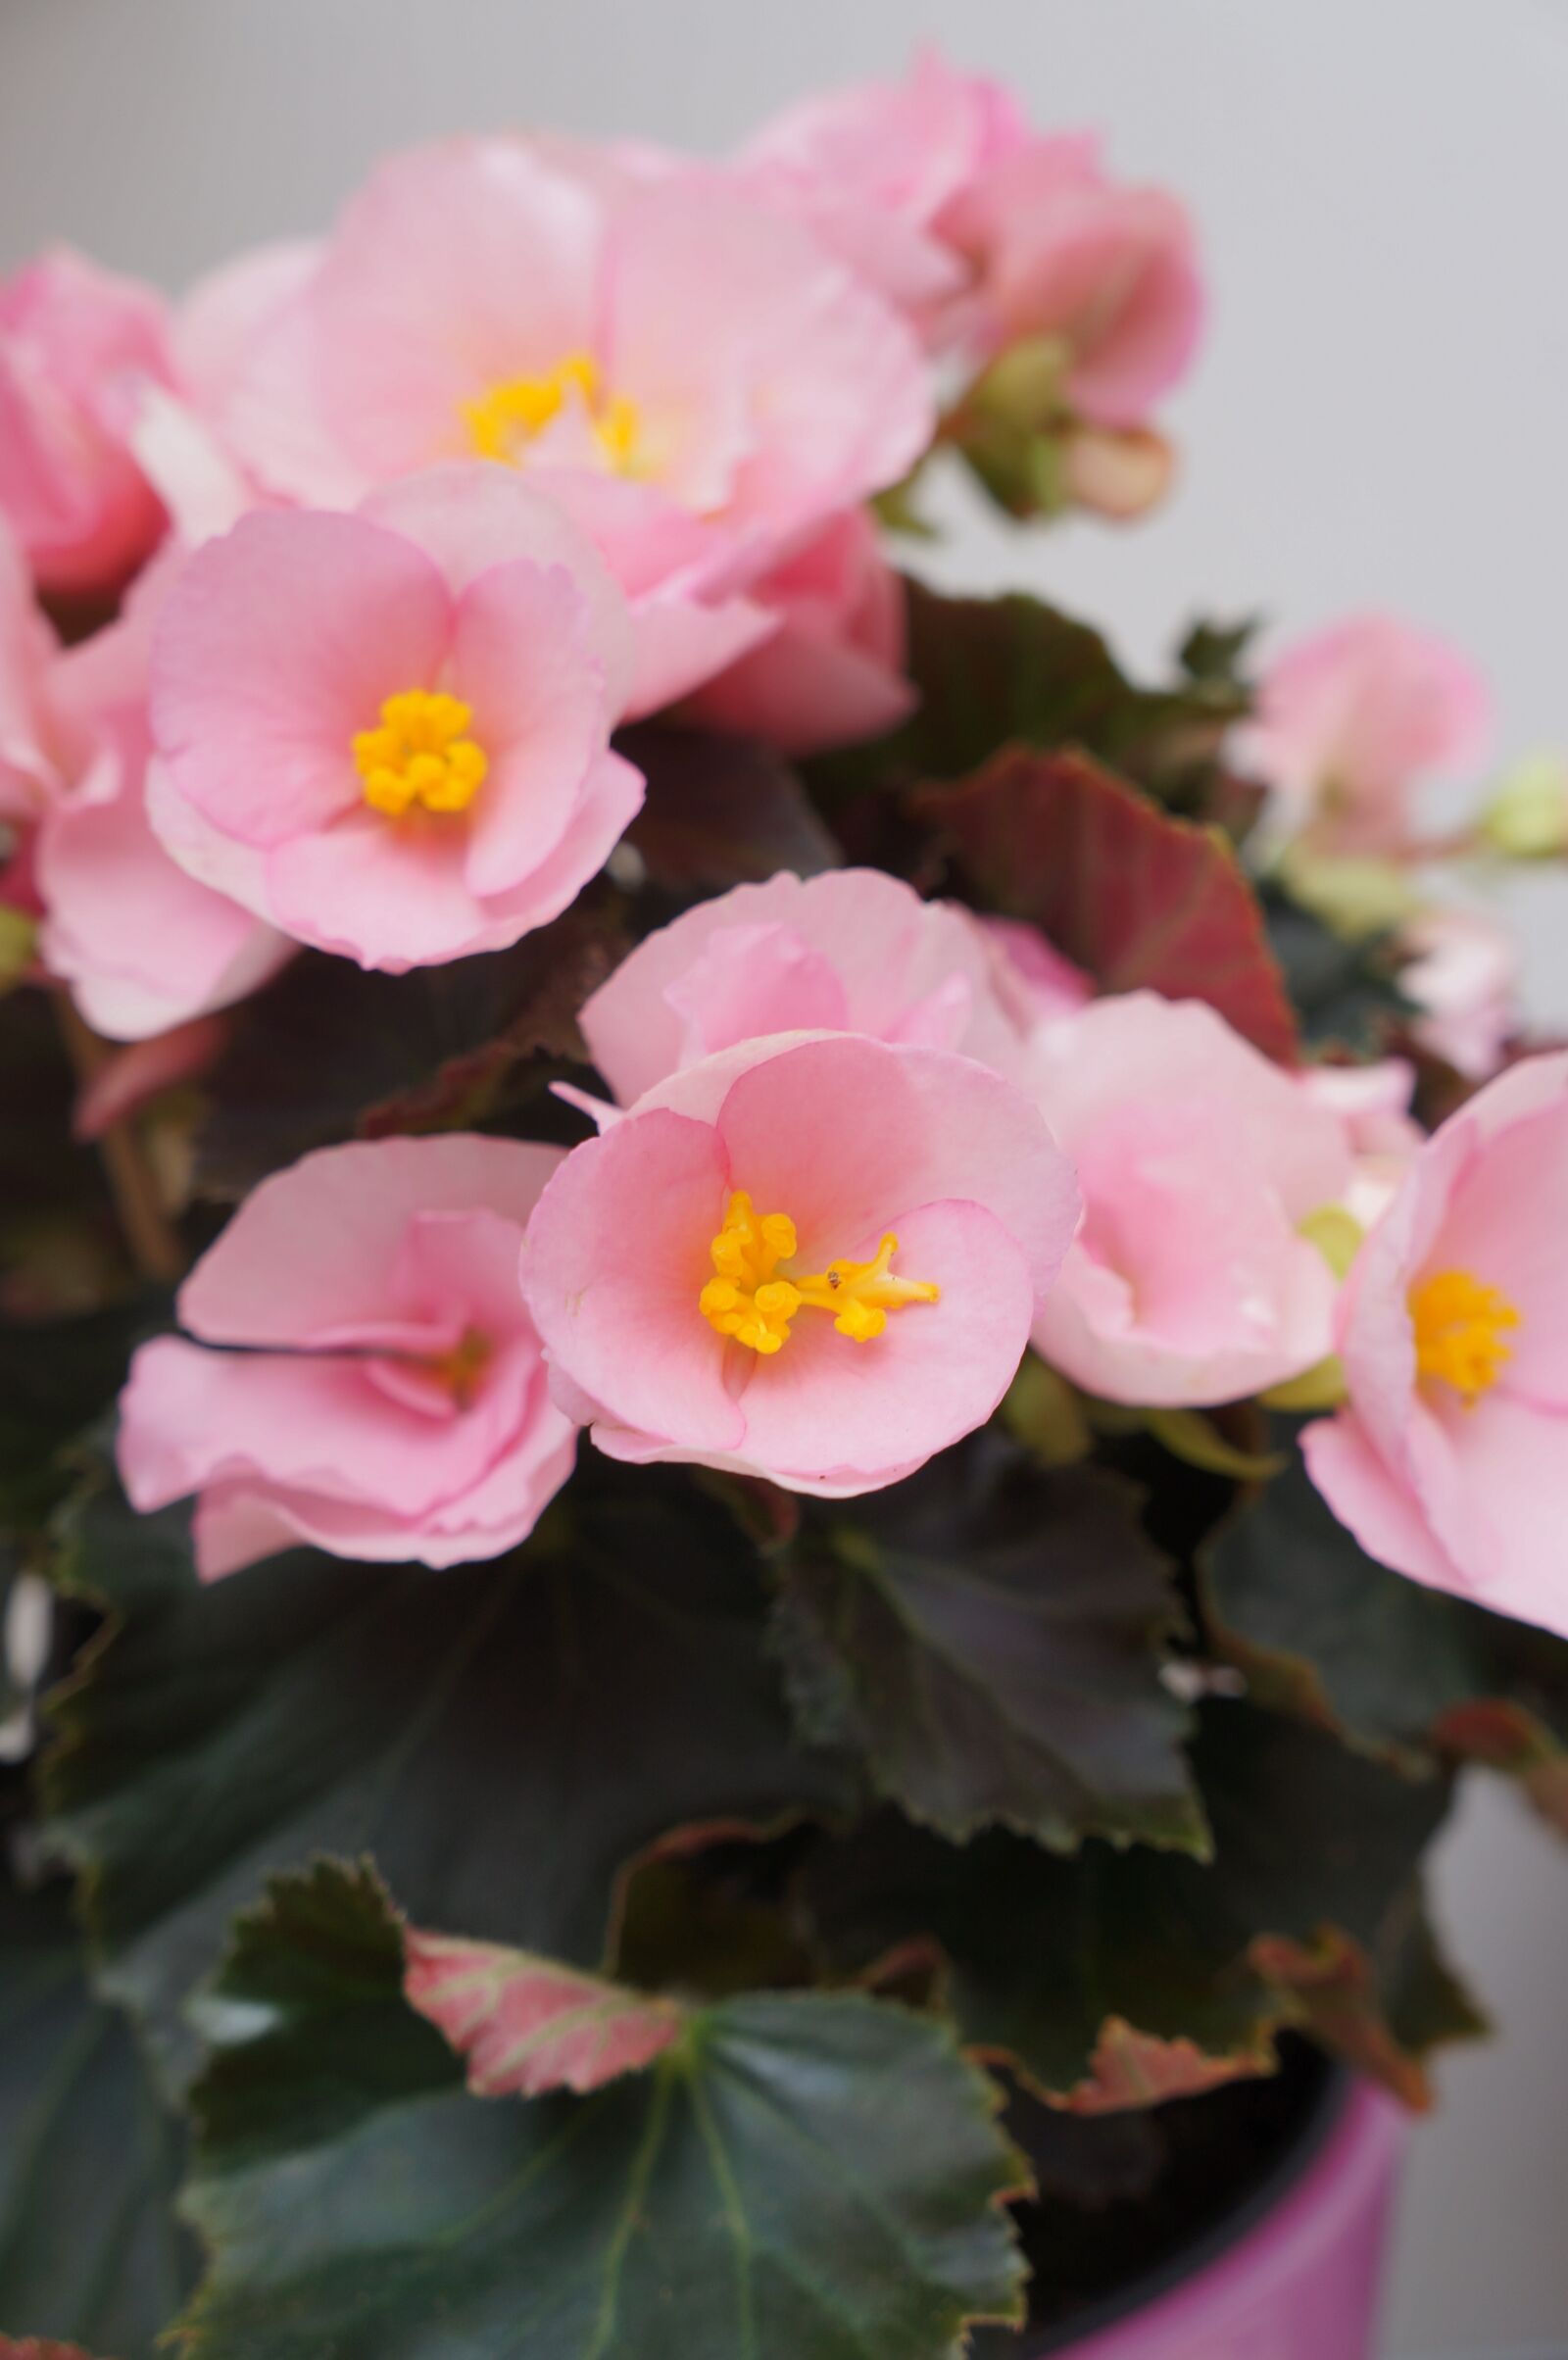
{"points": [[509, 416], [420, 754], [1459, 1326], [746, 1300]]}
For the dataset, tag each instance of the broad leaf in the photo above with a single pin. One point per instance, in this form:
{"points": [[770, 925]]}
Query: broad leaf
{"points": [[57, 1378], [993, 669], [89, 2248], [330, 1052], [528, 2024], [1139, 899], [989, 1634], [1345, 994], [1117, 1973], [505, 1736], [1322, 1630], [800, 2178], [720, 812]]}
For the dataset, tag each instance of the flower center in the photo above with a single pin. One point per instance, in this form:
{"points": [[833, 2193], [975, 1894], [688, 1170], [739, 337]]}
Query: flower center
{"points": [[508, 417], [746, 1300], [461, 1371], [420, 754], [1459, 1326]]}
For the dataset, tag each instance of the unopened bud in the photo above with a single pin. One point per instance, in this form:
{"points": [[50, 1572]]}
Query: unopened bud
{"points": [[1526, 819]]}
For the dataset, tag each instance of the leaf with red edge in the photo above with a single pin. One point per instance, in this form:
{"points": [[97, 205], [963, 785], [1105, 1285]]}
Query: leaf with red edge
{"points": [[527, 2024], [1132, 2068], [39, 2347], [1140, 899]]}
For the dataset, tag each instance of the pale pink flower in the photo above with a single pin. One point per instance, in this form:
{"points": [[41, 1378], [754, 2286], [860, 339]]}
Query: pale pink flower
{"points": [[1373, 1102], [1035, 982], [852, 951], [1062, 252], [832, 670], [697, 380], [812, 1258], [1352, 719], [1188, 1282], [1446, 1463], [1465, 978], [385, 1397], [873, 168], [33, 761], [389, 733], [76, 346]]}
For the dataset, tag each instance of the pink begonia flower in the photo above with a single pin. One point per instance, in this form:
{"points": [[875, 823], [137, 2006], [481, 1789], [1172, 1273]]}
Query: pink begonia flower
{"points": [[812, 1258], [1061, 251], [697, 379], [1465, 978], [76, 347], [389, 733], [1373, 1102], [832, 671], [1447, 1460], [1351, 720], [1032, 980], [852, 951], [872, 169], [388, 1397], [34, 760], [1190, 1282]]}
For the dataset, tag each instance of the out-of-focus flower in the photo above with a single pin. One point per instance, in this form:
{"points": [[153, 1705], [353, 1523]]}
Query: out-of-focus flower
{"points": [[1351, 720], [853, 951], [1190, 1281], [1373, 1101], [1035, 983], [388, 1397], [1447, 1460], [814, 1259], [832, 670], [389, 733], [76, 347], [1464, 977], [1526, 819]]}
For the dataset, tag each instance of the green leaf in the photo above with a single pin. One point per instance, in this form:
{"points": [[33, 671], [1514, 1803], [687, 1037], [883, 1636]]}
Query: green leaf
{"points": [[330, 1052], [1323, 1631], [990, 671], [1120, 1973], [991, 1635], [800, 2178], [1344, 993], [506, 1737], [1139, 899], [57, 1378], [720, 812], [89, 2246]]}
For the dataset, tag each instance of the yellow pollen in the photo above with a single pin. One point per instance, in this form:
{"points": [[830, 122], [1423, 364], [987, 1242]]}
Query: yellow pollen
{"points": [[508, 417], [1459, 1326], [420, 754], [461, 1371], [747, 1300]]}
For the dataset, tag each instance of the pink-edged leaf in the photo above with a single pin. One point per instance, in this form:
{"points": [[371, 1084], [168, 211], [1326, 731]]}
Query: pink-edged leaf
{"points": [[39, 2347], [1131, 2068], [525, 2025], [1139, 899]]}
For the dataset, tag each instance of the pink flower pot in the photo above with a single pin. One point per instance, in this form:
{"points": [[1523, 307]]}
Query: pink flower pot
{"points": [[1301, 2282]]}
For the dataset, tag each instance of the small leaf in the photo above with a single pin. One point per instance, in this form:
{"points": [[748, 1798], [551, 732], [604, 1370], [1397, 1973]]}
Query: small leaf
{"points": [[1129, 2068], [507, 1735], [1138, 899], [1344, 993], [802, 2176], [527, 2024], [89, 2245], [1197, 1441], [37, 2348], [991, 1635], [720, 812]]}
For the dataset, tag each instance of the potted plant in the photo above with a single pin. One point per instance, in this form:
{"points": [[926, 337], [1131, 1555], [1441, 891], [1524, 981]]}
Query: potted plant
{"points": [[783, 1383]]}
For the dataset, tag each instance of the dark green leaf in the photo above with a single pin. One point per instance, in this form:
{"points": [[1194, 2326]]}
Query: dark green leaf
{"points": [[720, 812], [1140, 899], [1118, 1975], [505, 1735], [802, 2178], [330, 1052], [989, 1634], [57, 1378], [89, 2248], [1322, 1630], [1343, 991]]}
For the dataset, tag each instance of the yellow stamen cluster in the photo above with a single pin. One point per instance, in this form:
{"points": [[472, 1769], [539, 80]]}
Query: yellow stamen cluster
{"points": [[461, 1371], [1459, 1326], [420, 754], [508, 417], [747, 1300]]}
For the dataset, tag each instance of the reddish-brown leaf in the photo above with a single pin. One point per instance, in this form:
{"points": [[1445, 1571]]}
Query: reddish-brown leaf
{"points": [[38, 2348], [1139, 899], [527, 2024], [1132, 2068]]}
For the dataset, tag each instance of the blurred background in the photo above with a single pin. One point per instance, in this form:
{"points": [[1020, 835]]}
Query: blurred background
{"points": [[1380, 419]]}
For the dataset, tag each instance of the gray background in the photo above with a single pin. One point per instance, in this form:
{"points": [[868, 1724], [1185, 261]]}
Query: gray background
{"points": [[1380, 418]]}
